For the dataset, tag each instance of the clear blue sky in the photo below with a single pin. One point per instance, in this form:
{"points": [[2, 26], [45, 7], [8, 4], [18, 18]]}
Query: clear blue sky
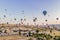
{"points": [[32, 8]]}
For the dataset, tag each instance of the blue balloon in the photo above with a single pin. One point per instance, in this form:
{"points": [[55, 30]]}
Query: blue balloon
{"points": [[44, 12]]}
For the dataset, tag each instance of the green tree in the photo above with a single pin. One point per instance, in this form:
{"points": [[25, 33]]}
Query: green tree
{"points": [[29, 33], [5, 31], [19, 32], [50, 30], [57, 38], [37, 31]]}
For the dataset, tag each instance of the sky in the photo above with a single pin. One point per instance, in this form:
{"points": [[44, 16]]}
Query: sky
{"points": [[32, 8]]}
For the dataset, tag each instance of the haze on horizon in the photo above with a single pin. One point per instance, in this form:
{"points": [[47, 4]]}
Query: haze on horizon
{"points": [[28, 9]]}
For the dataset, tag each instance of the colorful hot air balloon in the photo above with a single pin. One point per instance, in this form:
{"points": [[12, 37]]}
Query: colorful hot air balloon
{"points": [[44, 12]]}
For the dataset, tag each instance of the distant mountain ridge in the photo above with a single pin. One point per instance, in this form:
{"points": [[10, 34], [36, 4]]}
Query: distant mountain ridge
{"points": [[55, 25]]}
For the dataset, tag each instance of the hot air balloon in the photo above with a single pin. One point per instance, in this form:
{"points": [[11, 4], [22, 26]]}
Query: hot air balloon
{"points": [[57, 18], [14, 18], [46, 20], [34, 19], [4, 15], [5, 9], [44, 12], [24, 19], [23, 12], [21, 19], [7, 22]]}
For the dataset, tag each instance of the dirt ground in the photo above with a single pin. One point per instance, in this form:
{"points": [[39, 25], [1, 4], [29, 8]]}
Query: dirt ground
{"points": [[13, 37]]}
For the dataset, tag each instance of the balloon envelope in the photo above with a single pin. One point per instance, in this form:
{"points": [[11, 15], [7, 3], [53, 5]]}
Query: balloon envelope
{"points": [[46, 20], [4, 15], [7, 22], [14, 18], [57, 18], [5, 9], [44, 12], [34, 19], [23, 12], [21, 19]]}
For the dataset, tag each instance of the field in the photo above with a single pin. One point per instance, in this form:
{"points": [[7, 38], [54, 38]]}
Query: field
{"points": [[17, 37]]}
